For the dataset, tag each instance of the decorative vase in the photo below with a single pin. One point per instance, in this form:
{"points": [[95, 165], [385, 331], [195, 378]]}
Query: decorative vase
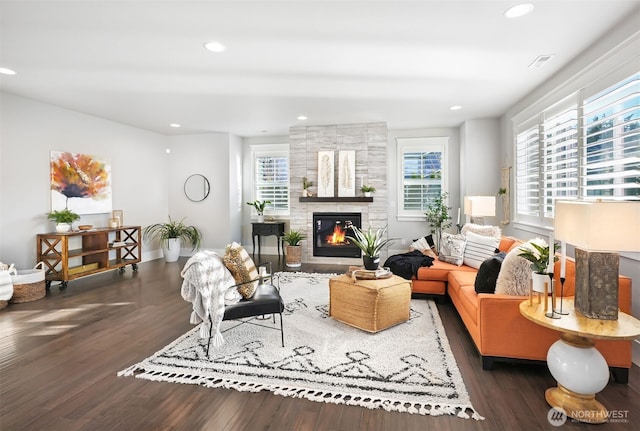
{"points": [[371, 263], [171, 249], [63, 227], [538, 282], [305, 193], [293, 258], [367, 194], [260, 218]]}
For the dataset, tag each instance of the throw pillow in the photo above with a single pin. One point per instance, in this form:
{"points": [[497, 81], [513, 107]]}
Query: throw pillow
{"points": [[452, 248], [480, 229], [515, 274], [241, 266], [478, 249], [488, 273]]}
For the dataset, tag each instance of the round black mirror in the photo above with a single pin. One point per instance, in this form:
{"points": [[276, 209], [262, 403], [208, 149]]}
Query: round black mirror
{"points": [[196, 188]]}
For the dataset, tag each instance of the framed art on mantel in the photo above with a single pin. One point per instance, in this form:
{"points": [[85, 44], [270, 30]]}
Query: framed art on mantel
{"points": [[325, 174], [80, 182], [347, 173]]}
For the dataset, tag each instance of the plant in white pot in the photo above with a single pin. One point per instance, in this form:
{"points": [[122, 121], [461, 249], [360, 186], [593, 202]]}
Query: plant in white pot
{"points": [[536, 251], [371, 242], [259, 206], [294, 249], [172, 235], [368, 191], [63, 218]]}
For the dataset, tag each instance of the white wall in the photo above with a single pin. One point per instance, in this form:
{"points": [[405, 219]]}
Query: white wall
{"points": [[29, 130], [614, 53], [208, 155]]}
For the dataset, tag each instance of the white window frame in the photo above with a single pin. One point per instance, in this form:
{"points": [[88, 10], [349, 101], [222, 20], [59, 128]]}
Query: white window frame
{"points": [[270, 150], [420, 144]]}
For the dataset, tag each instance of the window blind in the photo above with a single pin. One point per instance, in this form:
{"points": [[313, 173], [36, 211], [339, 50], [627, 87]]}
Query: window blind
{"points": [[422, 178], [272, 181], [527, 172], [611, 149]]}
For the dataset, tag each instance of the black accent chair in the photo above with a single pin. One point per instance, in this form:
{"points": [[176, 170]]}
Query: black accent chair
{"points": [[266, 300]]}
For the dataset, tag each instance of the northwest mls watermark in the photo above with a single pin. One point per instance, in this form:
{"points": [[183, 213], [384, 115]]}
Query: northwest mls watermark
{"points": [[558, 416]]}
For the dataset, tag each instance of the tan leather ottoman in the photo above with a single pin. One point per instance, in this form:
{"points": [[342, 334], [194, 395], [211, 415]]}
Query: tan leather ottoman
{"points": [[370, 305]]}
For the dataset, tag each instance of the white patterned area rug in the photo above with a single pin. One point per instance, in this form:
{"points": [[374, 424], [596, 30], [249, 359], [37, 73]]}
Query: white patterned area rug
{"points": [[406, 368]]}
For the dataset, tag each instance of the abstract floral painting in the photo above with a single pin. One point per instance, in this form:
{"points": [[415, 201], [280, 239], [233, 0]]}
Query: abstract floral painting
{"points": [[80, 182]]}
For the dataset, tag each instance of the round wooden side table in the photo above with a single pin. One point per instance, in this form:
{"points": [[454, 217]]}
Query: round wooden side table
{"points": [[579, 368]]}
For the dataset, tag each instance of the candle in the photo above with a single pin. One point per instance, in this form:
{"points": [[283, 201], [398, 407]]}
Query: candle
{"points": [[458, 216], [563, 259], [552, 253]]}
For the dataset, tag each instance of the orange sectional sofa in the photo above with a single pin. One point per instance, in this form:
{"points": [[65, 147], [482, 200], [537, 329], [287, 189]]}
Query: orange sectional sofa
{"points": [[494, 321]]}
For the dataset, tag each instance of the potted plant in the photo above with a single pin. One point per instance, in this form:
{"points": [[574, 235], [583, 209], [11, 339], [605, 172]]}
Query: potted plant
{"points": [[438, 216], [367, 190], [371, 242], [305, 187], [294, 249], [259, 206], [536, 251], [63, 218], [171, 236]]}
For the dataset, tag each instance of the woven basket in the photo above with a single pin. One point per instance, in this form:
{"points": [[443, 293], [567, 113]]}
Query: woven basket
{"points": [[3, 304], [28, 285]]}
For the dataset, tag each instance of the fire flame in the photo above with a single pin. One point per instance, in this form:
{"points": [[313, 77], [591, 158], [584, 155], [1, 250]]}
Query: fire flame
{"points": [[338, 236]]}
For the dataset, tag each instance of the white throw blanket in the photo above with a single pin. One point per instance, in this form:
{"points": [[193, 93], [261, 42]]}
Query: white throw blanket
{"points": [[207, 285]]}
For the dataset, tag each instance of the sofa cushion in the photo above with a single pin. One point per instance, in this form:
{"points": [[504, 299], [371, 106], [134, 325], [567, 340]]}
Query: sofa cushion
{"points": [[424, 245], [439, 271], [481, 229], [488, 273], [515, 274], [479, 248], [452, 248], [461, 287]]}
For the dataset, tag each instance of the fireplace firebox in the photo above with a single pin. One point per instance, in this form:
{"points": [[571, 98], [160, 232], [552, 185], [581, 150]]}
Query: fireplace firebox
{"points": [[330, 231]]}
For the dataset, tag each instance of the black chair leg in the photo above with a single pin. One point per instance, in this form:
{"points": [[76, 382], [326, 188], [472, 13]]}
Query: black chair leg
{"points": [[210, 335], [281, 329]]}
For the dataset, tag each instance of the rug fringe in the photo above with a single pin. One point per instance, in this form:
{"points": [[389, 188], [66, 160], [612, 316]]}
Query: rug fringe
{"points": [[461, 411]]}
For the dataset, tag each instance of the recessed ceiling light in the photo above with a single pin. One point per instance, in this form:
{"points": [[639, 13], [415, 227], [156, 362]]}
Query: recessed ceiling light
{"points": [[518, 10], [455, 108], [5, 71], [215, 46], [167, 150], [176, 125], [302, 117]]}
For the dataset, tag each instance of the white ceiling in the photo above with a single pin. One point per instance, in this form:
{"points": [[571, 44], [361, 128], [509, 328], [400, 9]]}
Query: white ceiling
{"points": [[143, 63]]}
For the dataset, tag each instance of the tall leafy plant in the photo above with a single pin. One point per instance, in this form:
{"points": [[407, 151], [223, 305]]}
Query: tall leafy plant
{"points": [[371, 241], [174, 229], [438, 216]]}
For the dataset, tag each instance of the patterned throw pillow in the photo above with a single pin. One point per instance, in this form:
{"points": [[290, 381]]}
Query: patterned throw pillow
{"points": [[452, 248], [424, 245], [478, 249], [241, 266]]}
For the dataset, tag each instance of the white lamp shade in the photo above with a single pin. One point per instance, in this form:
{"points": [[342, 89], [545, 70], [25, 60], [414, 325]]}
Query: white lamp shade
{"points": [[598, 226], [480, 206]]}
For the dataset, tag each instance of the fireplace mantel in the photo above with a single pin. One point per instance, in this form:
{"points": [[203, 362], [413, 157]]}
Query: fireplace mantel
{"points": [[339, 199]]}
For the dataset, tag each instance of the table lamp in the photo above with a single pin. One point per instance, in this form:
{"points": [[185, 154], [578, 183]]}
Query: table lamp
{"points": [[598, 230], [478, 207]]}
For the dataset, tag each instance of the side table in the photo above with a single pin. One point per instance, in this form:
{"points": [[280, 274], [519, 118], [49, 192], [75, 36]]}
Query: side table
{"points": [[267, 229], [579, 368]]}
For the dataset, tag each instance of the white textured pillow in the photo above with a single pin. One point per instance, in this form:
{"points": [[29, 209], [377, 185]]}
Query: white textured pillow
{"points": [[422, 245], [452, 248], [480, 229], [515, 274], [478, 249]]}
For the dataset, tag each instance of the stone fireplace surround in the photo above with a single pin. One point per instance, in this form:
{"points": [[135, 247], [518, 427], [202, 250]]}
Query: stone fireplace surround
{"points": [[369, 140]]}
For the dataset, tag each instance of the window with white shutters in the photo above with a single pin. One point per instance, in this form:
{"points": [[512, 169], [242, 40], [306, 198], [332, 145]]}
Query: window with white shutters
{"points": [[271, 180], [611, 142], [422, 166], [528, 173]]}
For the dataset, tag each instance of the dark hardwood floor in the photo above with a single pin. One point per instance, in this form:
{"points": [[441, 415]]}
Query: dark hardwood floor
{"points": [[60, 355]]}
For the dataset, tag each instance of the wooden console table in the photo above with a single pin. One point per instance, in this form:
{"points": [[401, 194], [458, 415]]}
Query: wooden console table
{"points": [[267, 229], [70, 255], [579, 368]]}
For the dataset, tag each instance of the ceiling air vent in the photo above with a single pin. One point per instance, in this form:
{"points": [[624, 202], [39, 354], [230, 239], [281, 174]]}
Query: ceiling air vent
{"points": [[540, 61]]}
